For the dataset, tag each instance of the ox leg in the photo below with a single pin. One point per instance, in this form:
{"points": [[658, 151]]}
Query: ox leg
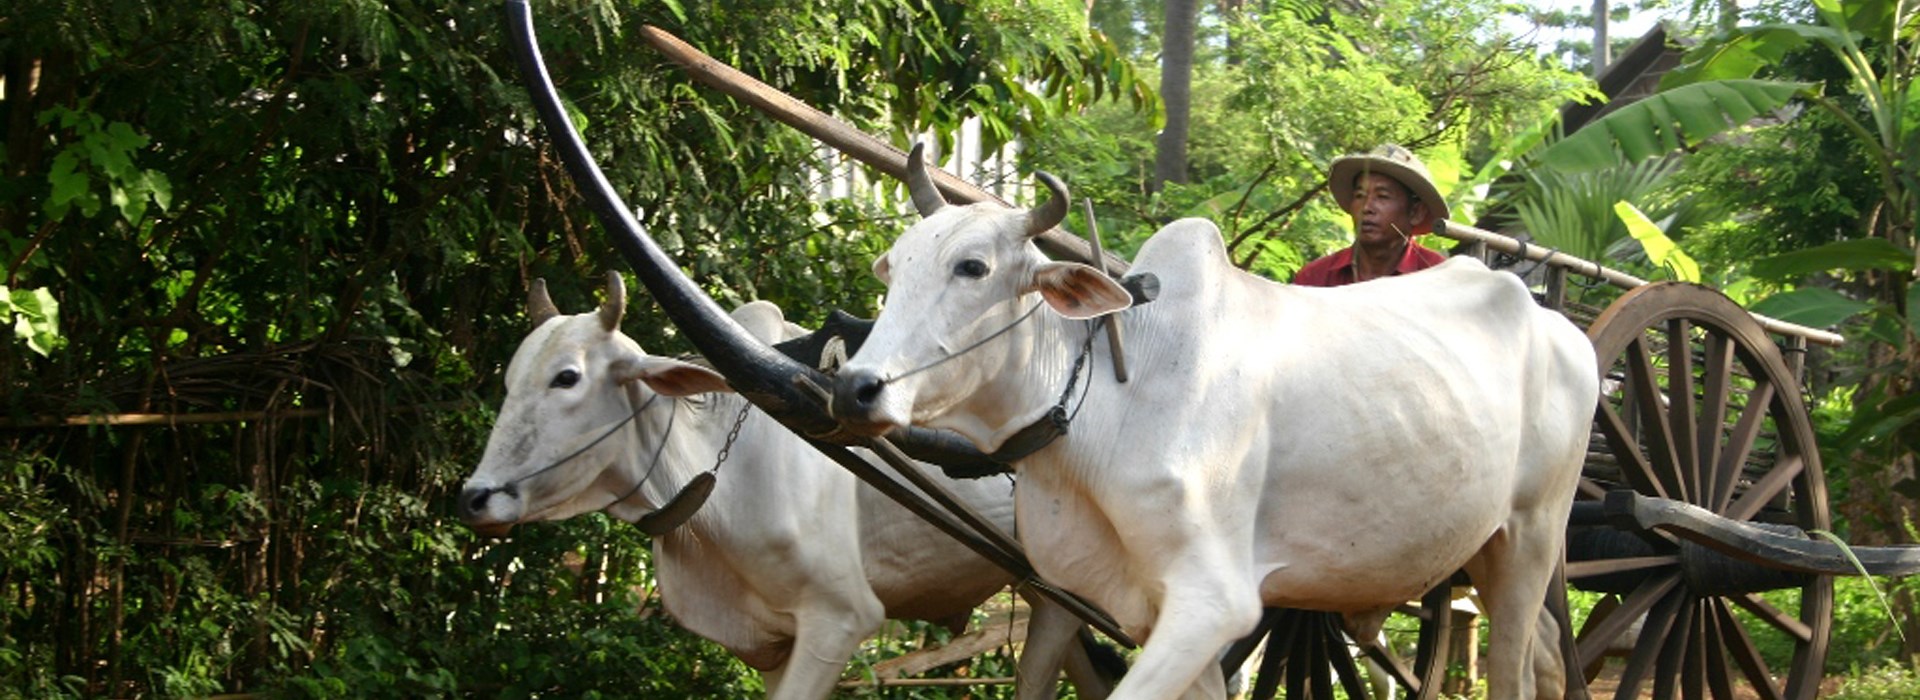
{"points": [[824, 641], [1512, 574], [1053, 637], [1093, 676], [1195, 623]]}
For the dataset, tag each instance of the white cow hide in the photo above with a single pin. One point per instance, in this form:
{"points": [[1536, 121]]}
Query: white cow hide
{"points": [[1334, 449], [791, 563]]}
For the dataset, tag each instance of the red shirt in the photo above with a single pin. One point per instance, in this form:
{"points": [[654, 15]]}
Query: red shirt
{"points": [[1337, 269]]}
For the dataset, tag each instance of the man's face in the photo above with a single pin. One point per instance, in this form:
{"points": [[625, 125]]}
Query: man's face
{"points": [[1383, 211]]}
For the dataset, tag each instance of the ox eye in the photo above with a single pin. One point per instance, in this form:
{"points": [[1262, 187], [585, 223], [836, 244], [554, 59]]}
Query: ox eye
{"points": [[970, 267], [565, 379]]}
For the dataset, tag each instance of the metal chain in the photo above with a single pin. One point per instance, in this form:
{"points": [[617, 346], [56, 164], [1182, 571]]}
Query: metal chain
{"points": [[731, 436]]}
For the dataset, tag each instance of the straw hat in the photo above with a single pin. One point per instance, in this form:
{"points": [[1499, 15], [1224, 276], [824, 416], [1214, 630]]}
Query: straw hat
{"points": [[1395, 162]]}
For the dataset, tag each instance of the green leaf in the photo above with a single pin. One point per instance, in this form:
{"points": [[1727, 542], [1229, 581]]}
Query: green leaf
{"points": [[1743, 53], [1666, 121], [1862, 570], [1855, 255], [160, 188], [1913, 307], [37, 319], [679, 12], [68, 183], [1816, 307], [1875, 422], [1661, 250]]}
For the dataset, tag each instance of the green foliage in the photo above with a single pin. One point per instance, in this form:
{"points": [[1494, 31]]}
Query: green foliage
{"points": [[35, 316], [1574, 212], [1667, 121], [1814, 307], [103, 152], [1661, 252], [1860, 254], [1883, 682], [305, 231], [1283, 90], [1863, 634]]}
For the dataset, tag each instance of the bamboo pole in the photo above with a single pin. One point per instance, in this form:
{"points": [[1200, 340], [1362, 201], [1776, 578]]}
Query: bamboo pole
{"points": [[842, 137], [148, 419], [138, 419], [1588, 268]]}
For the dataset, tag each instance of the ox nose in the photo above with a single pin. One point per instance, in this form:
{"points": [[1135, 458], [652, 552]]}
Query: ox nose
{"points": [[473, 499], [856, 394]]}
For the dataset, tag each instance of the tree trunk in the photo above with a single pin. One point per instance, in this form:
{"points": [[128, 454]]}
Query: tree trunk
{"points": [[1602, 51], [1176, 92]]}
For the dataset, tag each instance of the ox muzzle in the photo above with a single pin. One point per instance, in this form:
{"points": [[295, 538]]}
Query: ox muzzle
{"points": [[857, 396], [480, 509]]}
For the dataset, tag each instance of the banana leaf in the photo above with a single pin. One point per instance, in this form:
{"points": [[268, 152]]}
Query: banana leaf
{"points": [[1861, 254], [1667, 121]]}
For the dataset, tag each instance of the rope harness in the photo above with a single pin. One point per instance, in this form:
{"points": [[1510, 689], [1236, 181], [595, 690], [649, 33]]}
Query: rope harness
{"points": [[511, 485], [970, 348], [695, 489], [1054, 424]]}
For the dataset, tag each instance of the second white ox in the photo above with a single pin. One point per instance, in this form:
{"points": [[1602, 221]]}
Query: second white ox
{"points": [[792, 562], [1332, 449]]}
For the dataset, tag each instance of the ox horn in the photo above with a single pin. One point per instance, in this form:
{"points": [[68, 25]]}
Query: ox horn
{"points": [[754, 369], [616, 304], [1049, 215], [926, 195], [540, 308], [758, 372]]}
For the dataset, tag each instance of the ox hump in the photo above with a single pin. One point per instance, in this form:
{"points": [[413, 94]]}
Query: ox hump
{"points": [[1185, 249]]}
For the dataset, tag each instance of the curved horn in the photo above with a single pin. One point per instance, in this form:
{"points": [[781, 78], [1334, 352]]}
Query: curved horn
{"points": [[616, 304], [759, 373], [926, 195], [756, 371], [1049, 215], [540, 308]]}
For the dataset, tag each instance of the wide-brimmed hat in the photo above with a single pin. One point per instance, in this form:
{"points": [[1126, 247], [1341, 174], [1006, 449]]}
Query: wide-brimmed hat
{"points": [[1394, 162]]}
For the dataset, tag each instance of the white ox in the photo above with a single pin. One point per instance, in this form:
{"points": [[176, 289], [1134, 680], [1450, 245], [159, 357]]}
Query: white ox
{"points": [[1332, 449], [792, 562]]}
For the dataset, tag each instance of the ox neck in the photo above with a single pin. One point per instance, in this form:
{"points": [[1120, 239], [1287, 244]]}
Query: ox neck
{"points": [[659, 455], [1028, 388]]}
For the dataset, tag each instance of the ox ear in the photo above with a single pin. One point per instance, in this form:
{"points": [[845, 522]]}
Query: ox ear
{"points": [[670, 377], [1078, 291], [883, 270]]}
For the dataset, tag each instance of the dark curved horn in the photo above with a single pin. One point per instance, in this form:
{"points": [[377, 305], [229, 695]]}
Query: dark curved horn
{"points": [[616, 304], [1049, 215], [755, 370], [540, 307], [759, 373], [926, 195]]}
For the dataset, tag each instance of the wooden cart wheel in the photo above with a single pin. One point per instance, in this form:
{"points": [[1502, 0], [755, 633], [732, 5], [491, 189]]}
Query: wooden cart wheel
{"points": [[1308, 653], [1698, 406]]}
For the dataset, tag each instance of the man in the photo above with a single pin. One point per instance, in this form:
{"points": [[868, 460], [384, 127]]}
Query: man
{"points": [[1391, 199]]}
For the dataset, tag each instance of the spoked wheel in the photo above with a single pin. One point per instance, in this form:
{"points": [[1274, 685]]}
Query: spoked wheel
{"points": [[1308, 653], [1697, 406]]}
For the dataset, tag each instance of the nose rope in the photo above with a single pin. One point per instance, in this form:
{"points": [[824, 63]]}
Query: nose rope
{"points": [[970, 348], [725, 449], [563, 460], [653, 462]]}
